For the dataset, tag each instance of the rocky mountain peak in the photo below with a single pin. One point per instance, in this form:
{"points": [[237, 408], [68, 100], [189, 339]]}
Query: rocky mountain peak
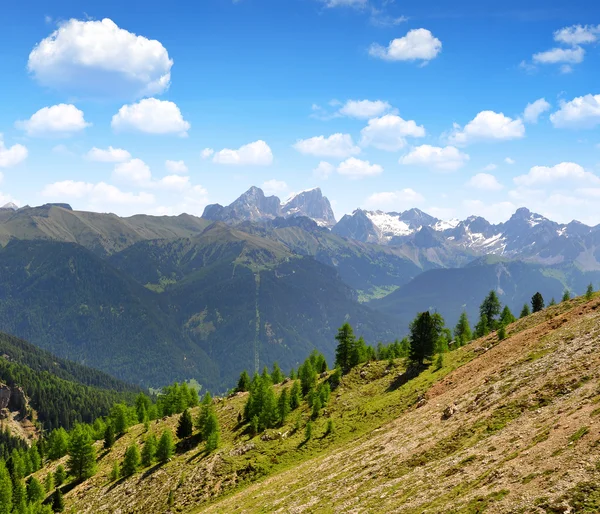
{"points": [[310, 203]]}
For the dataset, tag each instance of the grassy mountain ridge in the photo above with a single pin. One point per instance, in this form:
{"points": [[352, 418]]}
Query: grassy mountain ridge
{"points": [[521, 435]]}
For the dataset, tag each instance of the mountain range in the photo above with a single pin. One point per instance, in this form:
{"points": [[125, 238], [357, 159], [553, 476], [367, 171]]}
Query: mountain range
{"points": [[153, 299]]}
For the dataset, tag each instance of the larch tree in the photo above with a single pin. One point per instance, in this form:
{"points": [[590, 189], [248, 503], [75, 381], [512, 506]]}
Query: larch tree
{"points": [[185, 426], [346, 342], [537, 302], [506, 317], [462, 331], [525, 311], [82, 456], [165, 447], [243, 382], [149, 450], [277, 375], [132, 460], [425, 330], [6, 490]]}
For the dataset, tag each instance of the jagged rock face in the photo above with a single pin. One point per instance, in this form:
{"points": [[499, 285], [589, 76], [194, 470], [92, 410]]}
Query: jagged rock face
{"points": [[357, 226], [12, 399], [311, 204], [4, 396], [253, 205], [10, 206]]}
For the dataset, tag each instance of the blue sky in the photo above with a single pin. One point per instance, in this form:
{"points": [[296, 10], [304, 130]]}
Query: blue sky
{"points": [[384, 105]]}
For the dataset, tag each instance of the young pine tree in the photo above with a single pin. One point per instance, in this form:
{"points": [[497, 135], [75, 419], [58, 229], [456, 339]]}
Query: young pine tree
{"points": [[58, 444], [589, 292], [501, 333], [186, 425], [537, 302], [115, 472], [552, 301], [566, 296], [120, 418], [211, 431], [308, 431], [6, 490], [132, 460], [149, 450], [165, 447], [49, 483], [243, 382], [425, 330], [35, 491], [277, 376], [60, 475], [343, 353], [525, 311], [316, 407], [489, 309], [82, 456], [205, 406], [283, 405], [506, 318], [462, 331], [295, 396], [109, 437]]}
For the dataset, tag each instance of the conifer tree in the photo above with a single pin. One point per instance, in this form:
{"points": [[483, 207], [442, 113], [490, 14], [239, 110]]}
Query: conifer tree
{"points": [[58, 503], [425, 330], [35, 491], [149, 450], [82, 456], [552, 301], [537, 302], [243, 382], [34, 457], [308, 431], [120, 418], [589, 291], [115, 472], [131, 462], [142, 406], [58, 443], [277, 376], [506, 318], [59, 475], [283, 405], [501, 333], [488, 310], [346, 341], [316, 406], [6, 490], [295, 396], [204, 409], [165, 447], [462, 331], [109, 437], [358, 352], [525, 311], [293, 374], [266, 375], [439, 362], [212, 431], [308, 377], [324, 393], [49, 482], [566, 296], [186, 425]]}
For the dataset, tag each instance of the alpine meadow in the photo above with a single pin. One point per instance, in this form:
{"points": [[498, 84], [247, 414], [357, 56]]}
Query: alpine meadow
{"points": [[300, 256]]}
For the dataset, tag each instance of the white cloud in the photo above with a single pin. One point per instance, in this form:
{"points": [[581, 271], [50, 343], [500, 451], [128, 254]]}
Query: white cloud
{"points": [[509, 160], [97, 58], [60, 120], [389, 132], [193, 202], [490, 167], [207, 153], [581, 112], [534, 110], [152, 116], [346, 3], [252, 154], [418, 44], [485, 182], [380, 18], [98, 195], [448, 158], [563, 171], [109, 155], [365, 108], [134, 171], [395, 200], [494, 212], [173, 183], [336, 145], [354, 168], [11, 156], [577, 34], [62, 150], [177, 167], [323, 170], [487, 125], [573, 55], [274, 187]]}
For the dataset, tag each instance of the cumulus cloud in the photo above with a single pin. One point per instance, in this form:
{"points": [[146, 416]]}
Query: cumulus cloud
{"points": [[534, 110], [577, 34], [58, 120], [109, 155], [573, 55], [354, 168], [490, 167], [177, 167], [365, 108], [11, 156], [336, 145], [97, 58], [323, 170], [134, 172], [252, 154], [100, 195], [487, 125], [274, 187], [563, 171], [509, 160], [193, 202], [389, 132], [207, 153], [485, 182], [448, 158], [581, 112], [394, 199], [173, 183], [493, 212], [152, 116], [418, 44]]}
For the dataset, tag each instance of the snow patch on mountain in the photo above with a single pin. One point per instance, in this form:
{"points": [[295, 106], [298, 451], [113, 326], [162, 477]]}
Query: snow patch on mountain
{"points": [[390, 225]]}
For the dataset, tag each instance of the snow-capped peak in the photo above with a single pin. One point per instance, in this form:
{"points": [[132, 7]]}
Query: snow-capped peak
{"points": [[442, 225], [388, 224]]}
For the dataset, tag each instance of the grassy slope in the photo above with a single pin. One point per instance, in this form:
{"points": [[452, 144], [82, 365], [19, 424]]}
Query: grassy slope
{"points": [[517, 443]]}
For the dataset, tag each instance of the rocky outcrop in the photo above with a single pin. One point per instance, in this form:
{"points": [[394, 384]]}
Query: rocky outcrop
{"points": [[12, 399]]}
